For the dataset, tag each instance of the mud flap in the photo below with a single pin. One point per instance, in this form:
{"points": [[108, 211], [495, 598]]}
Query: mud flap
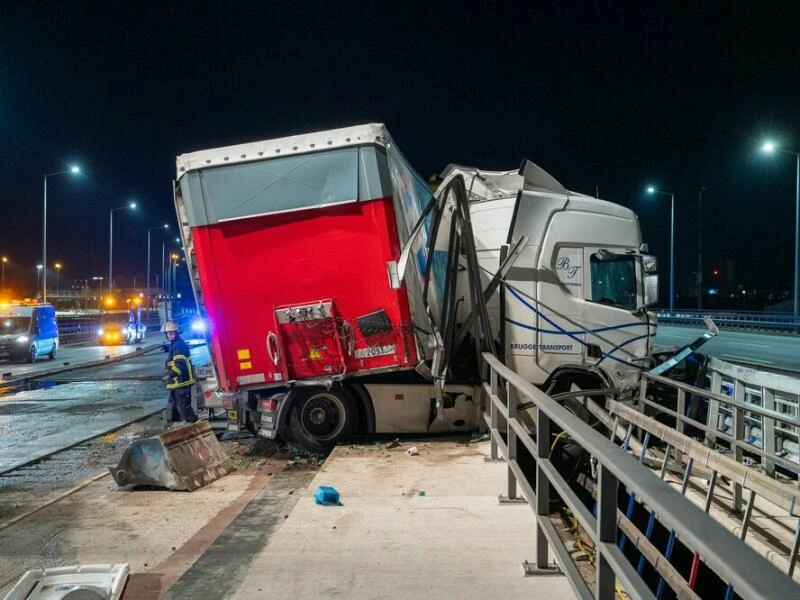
{"points": [[181, 459]]}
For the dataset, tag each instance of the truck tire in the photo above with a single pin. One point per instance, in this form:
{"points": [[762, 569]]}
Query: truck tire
{"points": [[31, 354], [321, 417], [52, 354]]}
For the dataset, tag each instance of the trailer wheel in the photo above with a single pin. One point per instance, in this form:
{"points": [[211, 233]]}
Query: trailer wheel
{"points": [[320, 418]]}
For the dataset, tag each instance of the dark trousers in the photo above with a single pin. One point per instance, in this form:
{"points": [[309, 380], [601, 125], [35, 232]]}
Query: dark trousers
{"points": [[179, 407]]}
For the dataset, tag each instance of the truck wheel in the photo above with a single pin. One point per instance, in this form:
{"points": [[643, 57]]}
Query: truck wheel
{"points": [[52, 355], [320, 418], [31, 354]]}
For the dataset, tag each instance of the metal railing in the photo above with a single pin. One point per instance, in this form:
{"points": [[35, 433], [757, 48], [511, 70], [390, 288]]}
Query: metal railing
{"points": [[755, 413], [745, 571], [81, 327], [776, 322]]}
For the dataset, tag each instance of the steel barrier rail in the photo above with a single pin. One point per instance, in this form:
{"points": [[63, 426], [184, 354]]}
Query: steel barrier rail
{"points": [[777, 322], [80, 328], [756, 395], [749, 574], [784, 498]]}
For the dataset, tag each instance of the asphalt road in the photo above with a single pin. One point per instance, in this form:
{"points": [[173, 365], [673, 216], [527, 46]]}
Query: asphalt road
{"points": [[771, 351], [40, 417]]}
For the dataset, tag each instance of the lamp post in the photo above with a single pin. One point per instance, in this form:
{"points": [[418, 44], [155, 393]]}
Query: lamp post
{"points": [[58, 272], [769, 148], [700, 248], [38, 273], [74, 170], [652, 190], [163, 262], [132, 206], [3, 284], [147, 297]]}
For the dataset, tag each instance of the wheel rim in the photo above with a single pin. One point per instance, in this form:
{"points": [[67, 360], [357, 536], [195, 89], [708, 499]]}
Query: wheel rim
{"points": [[323, 416]]}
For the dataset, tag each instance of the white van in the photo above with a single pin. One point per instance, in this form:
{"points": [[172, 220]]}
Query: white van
{"points": [[28, 331]]}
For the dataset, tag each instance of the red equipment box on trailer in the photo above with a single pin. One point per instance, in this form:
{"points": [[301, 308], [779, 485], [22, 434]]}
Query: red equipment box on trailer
{"points": [[293, 246]]}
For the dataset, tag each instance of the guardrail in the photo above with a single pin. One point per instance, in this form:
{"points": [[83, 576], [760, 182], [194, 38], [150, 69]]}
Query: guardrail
{"points": [[746, 572], [776, 322], [81, 327], [753, 412]]}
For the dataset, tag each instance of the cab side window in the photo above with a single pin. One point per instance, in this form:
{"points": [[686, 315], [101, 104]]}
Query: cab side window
{"points": [[614, 281]]}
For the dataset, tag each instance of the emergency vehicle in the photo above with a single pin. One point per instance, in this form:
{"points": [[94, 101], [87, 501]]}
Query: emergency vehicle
{"points": [[28, 330]]}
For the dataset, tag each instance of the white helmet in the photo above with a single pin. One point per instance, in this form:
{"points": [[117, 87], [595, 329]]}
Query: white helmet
{"points": [[170, 326]]}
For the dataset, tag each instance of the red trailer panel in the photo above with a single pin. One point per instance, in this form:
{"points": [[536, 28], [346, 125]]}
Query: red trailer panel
{"points": [[263, 278]]}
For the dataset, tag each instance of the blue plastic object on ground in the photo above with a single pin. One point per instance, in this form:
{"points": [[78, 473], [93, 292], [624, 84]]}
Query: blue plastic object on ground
{"points": [[326, 495]]}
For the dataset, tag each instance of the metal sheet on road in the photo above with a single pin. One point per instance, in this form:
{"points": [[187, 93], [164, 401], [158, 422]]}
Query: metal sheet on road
{"points": [[771, 350], [36, 423]]}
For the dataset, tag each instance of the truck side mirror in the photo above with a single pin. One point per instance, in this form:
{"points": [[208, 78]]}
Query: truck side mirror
{"points": [[650, 290]]}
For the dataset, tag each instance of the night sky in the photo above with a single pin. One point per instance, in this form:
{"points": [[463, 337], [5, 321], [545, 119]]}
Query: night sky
{"points": [[612, 95]]}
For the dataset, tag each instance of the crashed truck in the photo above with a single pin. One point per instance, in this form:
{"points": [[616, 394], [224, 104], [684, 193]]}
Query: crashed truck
{"points": [[344, 297]]}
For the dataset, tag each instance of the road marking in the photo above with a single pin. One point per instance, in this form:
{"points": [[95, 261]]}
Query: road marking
{"points": [[746, 344], [747, 359]]}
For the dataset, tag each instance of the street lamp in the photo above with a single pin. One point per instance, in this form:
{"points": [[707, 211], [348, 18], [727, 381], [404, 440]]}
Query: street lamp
{"points": [[769, 148], [147, 297], [75, 170], [163, 261], [652, 190], [3, 284], [132, 206], [38, 273], [174, 258], [58, 272]]}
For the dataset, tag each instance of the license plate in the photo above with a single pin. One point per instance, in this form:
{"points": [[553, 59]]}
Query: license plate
{"points": [[375, 351], [232, 416]]}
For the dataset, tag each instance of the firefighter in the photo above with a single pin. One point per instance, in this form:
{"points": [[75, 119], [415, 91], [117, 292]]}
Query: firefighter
{"points": [[178, 376]]}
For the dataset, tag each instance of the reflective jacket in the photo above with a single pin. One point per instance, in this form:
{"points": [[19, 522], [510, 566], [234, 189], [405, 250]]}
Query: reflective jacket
{"points": [[179, 372]]}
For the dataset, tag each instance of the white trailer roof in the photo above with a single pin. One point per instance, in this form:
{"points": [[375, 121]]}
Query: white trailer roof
{"points": [[370, 133]]}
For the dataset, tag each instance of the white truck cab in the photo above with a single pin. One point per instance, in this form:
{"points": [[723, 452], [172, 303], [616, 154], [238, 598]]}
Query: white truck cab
{"points": [[575, 300]]}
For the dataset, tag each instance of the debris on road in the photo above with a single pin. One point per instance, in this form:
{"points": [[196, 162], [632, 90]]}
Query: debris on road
{"points": [[327, 495], [179, 459], [103, 582]]}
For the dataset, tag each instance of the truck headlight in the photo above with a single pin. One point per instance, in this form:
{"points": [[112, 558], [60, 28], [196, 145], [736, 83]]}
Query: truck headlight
{"points": [[23, 339]]}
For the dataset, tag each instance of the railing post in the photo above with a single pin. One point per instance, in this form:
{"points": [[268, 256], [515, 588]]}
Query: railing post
{"points": [[738, 438], [642, 392], [606, 531], [493, 413], [680, 409], [542, 487], [511, 437], [713, 411], [769, 441]]}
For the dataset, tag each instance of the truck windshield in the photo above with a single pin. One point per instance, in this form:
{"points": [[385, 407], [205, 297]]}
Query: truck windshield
{"points": [[14, 325], [614, 281]]}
